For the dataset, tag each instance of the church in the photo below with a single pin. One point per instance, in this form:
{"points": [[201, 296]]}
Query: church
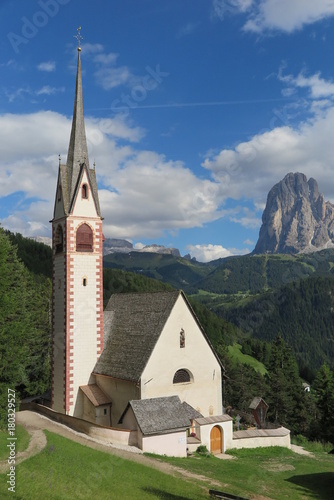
{"points": [[144, 365]]}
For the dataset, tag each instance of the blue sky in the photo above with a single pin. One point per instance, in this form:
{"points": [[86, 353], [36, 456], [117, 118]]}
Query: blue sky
{"points": [[194, 109]]}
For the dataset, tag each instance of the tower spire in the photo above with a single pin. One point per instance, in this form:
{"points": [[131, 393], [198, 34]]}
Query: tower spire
{"points": [[77, 150]]}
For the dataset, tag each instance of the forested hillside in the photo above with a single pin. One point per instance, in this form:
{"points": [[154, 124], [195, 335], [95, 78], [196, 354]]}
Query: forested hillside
{"points": [[258, 273], [177, 271], [25, 327], [36, 256], [294, 318], [301, 312]]}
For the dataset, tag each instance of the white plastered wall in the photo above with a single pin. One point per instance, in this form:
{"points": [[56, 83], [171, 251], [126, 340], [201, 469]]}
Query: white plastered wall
{"points": [[88, 410], [205, 392], [84, 266], [226, 432], [84, 207], [258, 442], [58, 334], [120, 392], [172, 445]]}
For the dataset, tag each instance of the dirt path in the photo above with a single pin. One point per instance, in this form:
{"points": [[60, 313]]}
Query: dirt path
{"points": [[36, 444], [301, 451], [35, 423]]}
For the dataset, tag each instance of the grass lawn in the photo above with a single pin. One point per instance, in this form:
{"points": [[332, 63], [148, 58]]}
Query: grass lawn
{"points": [[275, 473], [22, 443], [67, 470], [236, 354]]}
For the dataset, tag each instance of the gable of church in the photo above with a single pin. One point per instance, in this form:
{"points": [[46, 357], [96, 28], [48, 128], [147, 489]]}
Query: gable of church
{"points": [[84, 199], [184, 363]]}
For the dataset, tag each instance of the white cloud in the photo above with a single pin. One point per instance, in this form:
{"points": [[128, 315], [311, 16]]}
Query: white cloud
{"points": [[110, 78], [138, 246], [48, 66], [276, 15], [142, 194], [253, 167], [47, 90], [221, 8], [288, 15], [318, 87], [187, 29], [207, 253], [149, 197], [108, 75], [117, 127], [247, 218], [12, 95]]}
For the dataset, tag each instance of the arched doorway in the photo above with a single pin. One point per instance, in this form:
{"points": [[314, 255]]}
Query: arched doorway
{"points": [[216, 441]]}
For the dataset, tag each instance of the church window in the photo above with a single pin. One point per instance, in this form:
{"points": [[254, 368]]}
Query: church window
{"points": [[84, 281], [182, 376], [84, 239], [84, 191], [59, 193], [105, 411], [182, 338], [59, 240]]}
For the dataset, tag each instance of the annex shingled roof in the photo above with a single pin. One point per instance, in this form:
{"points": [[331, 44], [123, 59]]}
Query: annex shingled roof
{"points": [[160, 415], [95, 394], [190, 411]]}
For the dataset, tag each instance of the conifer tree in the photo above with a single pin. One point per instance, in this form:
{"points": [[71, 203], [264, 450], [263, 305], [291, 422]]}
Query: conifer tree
{"points": [[285, 398], [324, 393]]}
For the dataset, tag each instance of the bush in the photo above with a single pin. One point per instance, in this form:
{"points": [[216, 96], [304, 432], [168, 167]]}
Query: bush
{"points": [[313, 446], [202, 450]]}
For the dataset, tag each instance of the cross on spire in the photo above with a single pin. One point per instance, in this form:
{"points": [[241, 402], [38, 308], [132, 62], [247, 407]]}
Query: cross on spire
{"points": [[78, 37]]}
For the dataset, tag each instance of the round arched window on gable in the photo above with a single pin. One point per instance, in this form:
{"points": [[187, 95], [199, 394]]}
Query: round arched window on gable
{"points": [[84, 238], [182, 376]]}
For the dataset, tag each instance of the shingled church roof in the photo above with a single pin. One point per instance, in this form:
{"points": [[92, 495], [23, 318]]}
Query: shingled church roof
{"points": [[132, 326]]}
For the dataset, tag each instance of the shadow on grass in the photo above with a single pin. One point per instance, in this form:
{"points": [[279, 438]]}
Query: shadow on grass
{"points": [[163, 494], [318, 485]]}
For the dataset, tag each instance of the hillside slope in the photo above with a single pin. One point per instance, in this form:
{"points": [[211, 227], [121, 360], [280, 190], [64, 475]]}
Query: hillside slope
{"points": [[177, 271], [301, 312]]}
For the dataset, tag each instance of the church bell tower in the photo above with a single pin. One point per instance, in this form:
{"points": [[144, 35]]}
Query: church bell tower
{"points": [[77, 281]]}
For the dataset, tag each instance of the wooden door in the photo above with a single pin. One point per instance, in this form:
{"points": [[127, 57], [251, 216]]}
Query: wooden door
{"points": [[216, 440]]}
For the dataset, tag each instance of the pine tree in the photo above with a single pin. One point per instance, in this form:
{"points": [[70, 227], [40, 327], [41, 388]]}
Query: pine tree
{"points": [[324, 391], [286, 397]]}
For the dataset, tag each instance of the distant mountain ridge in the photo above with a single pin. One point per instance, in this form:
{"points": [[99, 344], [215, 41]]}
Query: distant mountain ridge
{"points": [[296, 219], [115, 245]]}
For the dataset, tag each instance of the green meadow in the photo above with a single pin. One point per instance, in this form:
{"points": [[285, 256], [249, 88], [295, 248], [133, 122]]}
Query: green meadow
{"points": [[236, 355], [68, 470]]}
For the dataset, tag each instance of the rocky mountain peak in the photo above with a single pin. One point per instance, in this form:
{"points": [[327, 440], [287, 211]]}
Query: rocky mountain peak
{"points": [[296, 218]]}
